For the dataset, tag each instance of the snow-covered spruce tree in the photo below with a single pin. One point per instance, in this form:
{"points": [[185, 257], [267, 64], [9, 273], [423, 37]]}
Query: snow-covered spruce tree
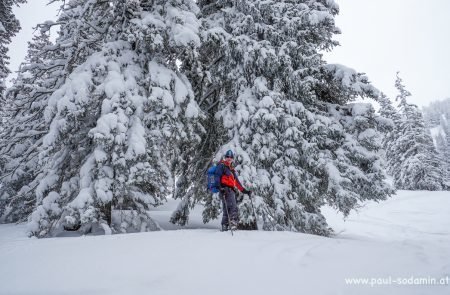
{"points": [[198, 66], [417, 164], [436, 112], [9, 26], [359, 167], [22, 132], [443, 154], [446, 156], [82, 26], [388, 111], [437, 119], [280, 106], [118, 122]]}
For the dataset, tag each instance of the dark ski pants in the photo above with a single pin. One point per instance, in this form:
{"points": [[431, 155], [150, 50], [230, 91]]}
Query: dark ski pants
{"points": [[229, 202]]}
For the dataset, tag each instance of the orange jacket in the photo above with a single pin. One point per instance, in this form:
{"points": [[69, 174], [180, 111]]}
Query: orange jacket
{"points": [[228, 176]]}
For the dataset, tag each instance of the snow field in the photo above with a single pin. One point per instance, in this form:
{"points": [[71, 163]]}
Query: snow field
{"points": [[408, 235]]}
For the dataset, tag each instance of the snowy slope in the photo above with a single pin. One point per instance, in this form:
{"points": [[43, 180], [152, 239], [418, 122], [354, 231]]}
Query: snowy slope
{"points": [[435, 132], [407, 236]]}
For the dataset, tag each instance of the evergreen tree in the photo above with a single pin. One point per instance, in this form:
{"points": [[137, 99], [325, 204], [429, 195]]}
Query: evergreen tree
{"points": [[446, 154], [442, 150], [388, 111], [437, 119], [24, 127], [9, 26], [141, 93], [119, 120], [46, 68], [272, 99], [417, 165], [437, 113], [358, 160]]}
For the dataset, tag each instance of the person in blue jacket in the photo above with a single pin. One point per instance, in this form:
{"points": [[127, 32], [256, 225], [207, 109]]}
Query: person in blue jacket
{"points": [[229, 186]]}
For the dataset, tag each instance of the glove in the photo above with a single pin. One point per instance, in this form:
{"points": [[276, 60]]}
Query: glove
{"points": [[247, 192]]}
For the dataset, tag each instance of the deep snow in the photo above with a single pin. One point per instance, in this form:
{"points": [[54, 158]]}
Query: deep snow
{"points": [[407, 237]]}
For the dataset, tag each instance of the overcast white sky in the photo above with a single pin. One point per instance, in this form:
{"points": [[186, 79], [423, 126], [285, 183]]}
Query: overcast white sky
{"points": [[379, 38], [29, 15]]}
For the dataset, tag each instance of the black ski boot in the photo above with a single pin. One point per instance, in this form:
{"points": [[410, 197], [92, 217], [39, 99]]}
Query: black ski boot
{"points": [[224, 227]]}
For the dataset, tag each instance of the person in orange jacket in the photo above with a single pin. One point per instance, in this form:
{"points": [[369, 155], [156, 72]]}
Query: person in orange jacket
{"points": [[229, 185]]}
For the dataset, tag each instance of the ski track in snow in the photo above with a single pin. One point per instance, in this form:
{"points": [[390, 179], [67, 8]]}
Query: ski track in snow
{"points": [[408, 235]]}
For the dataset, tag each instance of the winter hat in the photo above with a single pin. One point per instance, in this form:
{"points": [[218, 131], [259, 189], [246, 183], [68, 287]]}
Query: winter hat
{"points": [[229, 154]]}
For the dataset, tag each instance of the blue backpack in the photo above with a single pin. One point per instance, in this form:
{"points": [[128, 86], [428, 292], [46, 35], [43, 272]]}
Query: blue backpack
{"points": [[213, 180]]}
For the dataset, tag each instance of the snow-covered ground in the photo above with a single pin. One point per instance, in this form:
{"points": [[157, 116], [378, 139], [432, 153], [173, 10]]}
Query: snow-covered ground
{"points": [[404, 239]]}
